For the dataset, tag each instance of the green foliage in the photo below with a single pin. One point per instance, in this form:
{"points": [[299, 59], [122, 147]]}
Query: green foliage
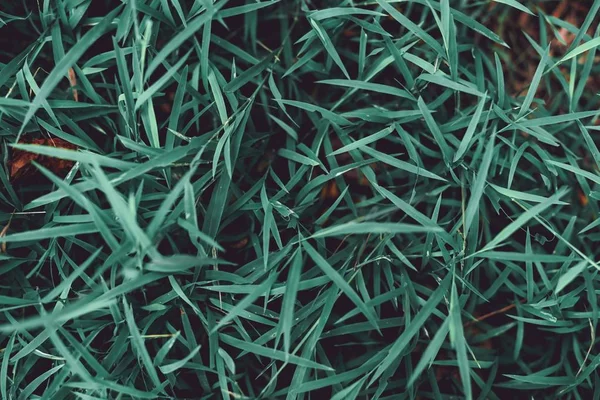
{"points": [[298, 198]]}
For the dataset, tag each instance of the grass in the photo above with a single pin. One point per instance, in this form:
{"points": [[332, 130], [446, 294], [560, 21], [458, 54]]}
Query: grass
{"points": [[299, 199]]}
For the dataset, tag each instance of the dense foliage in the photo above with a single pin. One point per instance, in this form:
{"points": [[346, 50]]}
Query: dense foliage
{"points": [[294, 199]]}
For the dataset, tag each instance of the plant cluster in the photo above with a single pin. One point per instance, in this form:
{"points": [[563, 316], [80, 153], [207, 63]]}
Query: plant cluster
{"points": [[294, 199]]}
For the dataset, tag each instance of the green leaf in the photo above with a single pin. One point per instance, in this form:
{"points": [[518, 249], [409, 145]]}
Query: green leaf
{"points": [[241, 305], [248, 75], [299, 158], [328, 44], [139, 346], [515, 4], [4, 368], [570, 275], [50, 232], [411, 329], [289, 300], [359, 228], [435, 130], [457, 337], [479, 185], [466, 140], [403, 165], [535, 82], [74, 155], [174, 366], [272, 353], [72, 56], [333, 12], [364, 141], [587, 46], [431, 351], [340, 282], [507, 231], [373, 87], [176, 41], [411, 26], [160, 83]]}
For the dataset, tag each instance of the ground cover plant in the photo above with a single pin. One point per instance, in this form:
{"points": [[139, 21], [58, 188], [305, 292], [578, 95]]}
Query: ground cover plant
{"points": [[293, 199]]}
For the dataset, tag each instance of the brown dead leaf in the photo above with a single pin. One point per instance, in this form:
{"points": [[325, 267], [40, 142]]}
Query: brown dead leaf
{"points": [[73, 83], [3, 233], [561, 8], [583, 199], [20, 163], [240, 244], [167, 105], [330, 191]]}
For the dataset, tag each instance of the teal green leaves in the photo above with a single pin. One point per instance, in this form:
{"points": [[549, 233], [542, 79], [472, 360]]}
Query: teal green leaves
{"points": [[299, 199], [70, 58], [457, 338], [479, 185], [516, 4], [388, 357], [435, 130], [329, 46]]}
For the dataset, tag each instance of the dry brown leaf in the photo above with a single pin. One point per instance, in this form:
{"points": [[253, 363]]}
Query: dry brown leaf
{"points": [[73, 83], [239, 245], [3, 233], [20, 163]]}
